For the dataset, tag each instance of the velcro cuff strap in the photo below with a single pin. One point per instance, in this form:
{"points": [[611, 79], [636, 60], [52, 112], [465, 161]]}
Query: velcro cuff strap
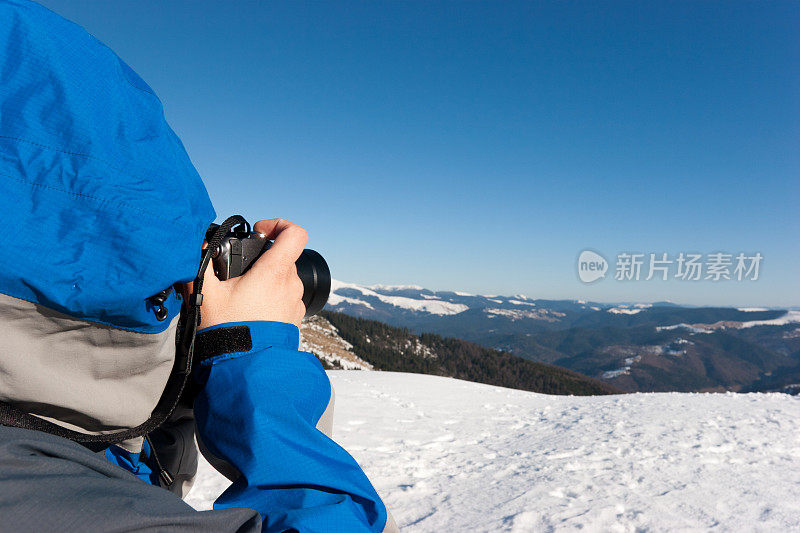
{"points": [[219, 341]]}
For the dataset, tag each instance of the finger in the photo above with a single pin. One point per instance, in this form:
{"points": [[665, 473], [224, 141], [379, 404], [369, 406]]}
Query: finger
{"points": [[290, 239], [271, 227]]}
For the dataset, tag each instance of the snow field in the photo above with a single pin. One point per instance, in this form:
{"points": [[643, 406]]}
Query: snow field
{"points": [[450, 455]]}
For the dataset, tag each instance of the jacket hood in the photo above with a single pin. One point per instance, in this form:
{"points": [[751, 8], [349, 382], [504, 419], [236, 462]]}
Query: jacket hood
{"points": [[100, 209]]}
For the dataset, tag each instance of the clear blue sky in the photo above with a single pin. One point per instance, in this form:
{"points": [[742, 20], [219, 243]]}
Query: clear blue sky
{"points": [[480, 146]]}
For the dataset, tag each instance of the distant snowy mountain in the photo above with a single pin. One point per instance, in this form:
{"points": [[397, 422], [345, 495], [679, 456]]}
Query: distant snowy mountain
{"points": [[448, 455], [634, 346], [415, 299], [414, 304], [409, 297]]}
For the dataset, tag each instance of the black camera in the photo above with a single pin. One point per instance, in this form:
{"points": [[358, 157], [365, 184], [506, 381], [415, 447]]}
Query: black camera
{"points": [[239, 249]]}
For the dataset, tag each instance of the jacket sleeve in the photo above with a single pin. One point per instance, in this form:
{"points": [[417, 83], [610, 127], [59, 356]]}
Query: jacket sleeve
{"points": [[260, 409]]}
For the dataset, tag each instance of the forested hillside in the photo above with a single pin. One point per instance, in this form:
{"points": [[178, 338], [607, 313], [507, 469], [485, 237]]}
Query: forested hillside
{"points": [[396, 349]]}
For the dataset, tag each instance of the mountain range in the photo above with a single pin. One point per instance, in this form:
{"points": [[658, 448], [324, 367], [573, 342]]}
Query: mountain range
{"points": [[632, 346]]}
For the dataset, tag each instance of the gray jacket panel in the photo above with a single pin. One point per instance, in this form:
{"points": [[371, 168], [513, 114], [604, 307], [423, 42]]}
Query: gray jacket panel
{"points": [[52, 484]]}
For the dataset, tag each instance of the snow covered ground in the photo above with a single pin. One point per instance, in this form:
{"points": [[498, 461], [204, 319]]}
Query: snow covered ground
{"points": [[449, 455]]}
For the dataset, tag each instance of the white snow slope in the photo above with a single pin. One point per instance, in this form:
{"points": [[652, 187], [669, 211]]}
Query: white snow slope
{"points": [[450, 455], [432, 306]]}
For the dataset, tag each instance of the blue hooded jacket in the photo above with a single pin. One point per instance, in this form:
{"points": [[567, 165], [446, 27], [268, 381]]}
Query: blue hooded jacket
{"points": [[102, 209]]}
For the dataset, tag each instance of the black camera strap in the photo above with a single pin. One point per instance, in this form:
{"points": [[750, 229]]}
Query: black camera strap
{"points": [[178, 379]]}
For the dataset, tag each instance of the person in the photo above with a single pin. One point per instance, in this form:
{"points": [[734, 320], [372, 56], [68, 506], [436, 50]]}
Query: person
{"points": [[103, 216]]}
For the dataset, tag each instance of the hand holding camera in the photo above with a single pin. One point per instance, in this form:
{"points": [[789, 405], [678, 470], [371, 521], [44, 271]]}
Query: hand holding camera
{"points": [[255, 279]]}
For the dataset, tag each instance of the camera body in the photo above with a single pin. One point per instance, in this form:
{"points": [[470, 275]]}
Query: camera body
{"points": [[239, 249]]}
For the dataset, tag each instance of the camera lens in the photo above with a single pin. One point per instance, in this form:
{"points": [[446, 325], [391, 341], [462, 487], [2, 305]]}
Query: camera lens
{"points": [[316, 277]]}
